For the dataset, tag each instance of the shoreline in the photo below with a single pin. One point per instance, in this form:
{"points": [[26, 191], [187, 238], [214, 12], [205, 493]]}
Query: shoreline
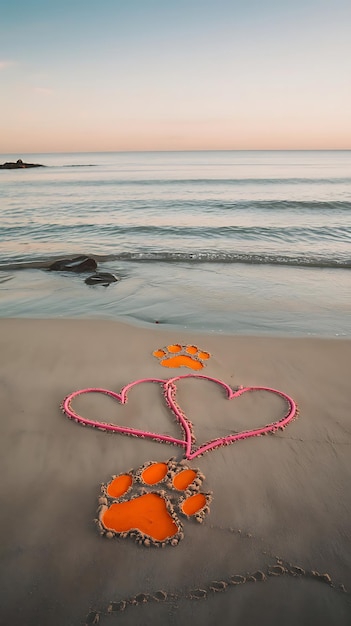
{"points": [[252, 301], [284, 496]]}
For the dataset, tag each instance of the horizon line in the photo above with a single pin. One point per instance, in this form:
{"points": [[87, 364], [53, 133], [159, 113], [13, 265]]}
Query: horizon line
{"points": [[179, 151]]}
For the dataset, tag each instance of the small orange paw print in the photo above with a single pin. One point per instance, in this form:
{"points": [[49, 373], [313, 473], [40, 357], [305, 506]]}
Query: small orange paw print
{"points": [[130, 506], [176, 355]]}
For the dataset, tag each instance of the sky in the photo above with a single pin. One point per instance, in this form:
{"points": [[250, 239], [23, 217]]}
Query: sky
{"points": [[120, 75]]}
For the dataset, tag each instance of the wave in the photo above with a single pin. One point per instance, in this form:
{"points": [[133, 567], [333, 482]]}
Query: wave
{"points": [[197, 233], [196, 257], [288, 205], [150, 182]]}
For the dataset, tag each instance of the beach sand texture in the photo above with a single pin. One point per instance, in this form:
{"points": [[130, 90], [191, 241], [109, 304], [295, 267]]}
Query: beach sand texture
{"points": [[281, 500]]}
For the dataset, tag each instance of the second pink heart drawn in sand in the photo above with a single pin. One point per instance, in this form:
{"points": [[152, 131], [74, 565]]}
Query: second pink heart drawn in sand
{"points": [[192, 451]]}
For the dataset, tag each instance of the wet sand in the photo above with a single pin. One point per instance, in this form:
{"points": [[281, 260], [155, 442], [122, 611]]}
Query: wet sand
{"points": [[280, 502]]}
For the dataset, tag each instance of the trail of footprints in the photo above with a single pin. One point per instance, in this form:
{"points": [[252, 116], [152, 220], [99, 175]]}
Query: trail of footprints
{"points": [[280, 568]]}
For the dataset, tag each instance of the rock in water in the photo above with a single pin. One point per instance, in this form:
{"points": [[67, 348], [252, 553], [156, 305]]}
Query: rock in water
{"points": [[77, 264], [101, 278]]}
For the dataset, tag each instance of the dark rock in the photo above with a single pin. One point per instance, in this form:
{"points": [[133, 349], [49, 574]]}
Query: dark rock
{"points": [[19, 165], [101, 278], [77, 264]]}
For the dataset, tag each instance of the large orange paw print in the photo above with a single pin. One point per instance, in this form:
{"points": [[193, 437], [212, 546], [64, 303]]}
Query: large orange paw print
{"points": [[131, 506], [176, 355]]}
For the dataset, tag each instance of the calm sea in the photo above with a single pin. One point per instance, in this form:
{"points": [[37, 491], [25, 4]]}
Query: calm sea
{"points": [[235, 242]]}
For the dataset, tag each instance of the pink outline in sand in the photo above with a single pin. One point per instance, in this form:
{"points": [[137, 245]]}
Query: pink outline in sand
{"points": [[170, 388], [224, 441], [121, 397]]}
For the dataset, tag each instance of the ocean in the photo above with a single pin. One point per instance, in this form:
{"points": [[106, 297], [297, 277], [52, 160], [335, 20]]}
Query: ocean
{"points": [[244, 242]]}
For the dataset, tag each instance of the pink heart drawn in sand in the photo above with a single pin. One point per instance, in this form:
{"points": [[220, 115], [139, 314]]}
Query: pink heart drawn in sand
{"points": [[192, 453], [188, 441], [122, 398]]}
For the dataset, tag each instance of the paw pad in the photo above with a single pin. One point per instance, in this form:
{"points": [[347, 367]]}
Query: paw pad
{"points": [[129, 505], [176, 355]]}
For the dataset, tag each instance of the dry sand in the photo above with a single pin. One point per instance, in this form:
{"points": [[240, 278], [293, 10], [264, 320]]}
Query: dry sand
{"points": [[283, 496]]}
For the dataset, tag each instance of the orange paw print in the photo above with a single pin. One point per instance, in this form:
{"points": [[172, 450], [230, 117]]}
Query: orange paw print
{"points": [[130, 506], [177, 355]]}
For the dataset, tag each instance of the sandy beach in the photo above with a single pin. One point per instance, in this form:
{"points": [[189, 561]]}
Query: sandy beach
{"points": [[275, 546]]}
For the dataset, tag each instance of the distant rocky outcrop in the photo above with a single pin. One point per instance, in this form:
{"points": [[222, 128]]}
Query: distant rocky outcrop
{"points": [[77, 264], [18, 165]]}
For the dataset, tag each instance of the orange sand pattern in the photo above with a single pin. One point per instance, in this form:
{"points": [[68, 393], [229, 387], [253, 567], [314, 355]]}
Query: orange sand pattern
{"points": [[177, 355], [128, 509], [182, 480], [120, 485], [147, 513], [193, 504], [154, 473]]}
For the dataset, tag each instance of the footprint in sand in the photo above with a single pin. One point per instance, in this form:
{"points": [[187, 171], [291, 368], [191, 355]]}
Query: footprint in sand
{"points": [[176, 355], [130, 506]]}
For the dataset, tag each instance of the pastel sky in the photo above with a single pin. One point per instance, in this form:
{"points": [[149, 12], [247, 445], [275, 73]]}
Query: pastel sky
{"points": [[174, 75]]}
